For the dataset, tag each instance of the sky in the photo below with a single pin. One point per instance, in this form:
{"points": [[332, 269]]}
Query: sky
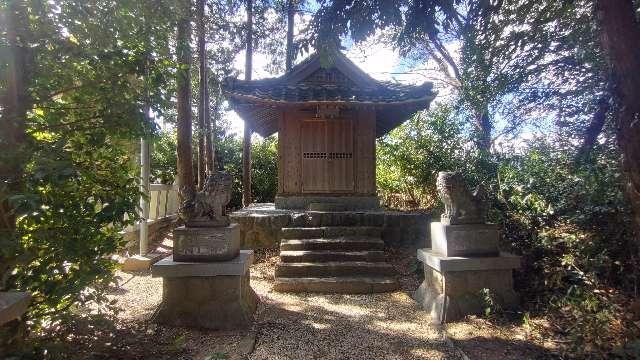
{"points": [[377, 59], [382, 62]]}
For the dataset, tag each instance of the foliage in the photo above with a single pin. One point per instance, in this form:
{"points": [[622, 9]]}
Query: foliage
{"points": [[410, 157], [164, 158], [263, 170], [569, 220], [572, 224], [94, 67]]}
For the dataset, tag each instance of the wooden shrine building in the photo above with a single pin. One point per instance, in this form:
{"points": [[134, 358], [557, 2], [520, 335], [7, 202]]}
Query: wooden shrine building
{"points": [[327, 120]]}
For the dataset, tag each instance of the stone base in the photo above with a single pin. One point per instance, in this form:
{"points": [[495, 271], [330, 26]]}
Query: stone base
{"points": [[141, 262], [204, 244], [261, 224], [213, 295], [464, 240], [13, 305], [452, 287], [342, 203]]}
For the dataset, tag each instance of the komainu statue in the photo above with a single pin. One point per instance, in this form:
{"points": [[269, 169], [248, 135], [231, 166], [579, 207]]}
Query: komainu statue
{"points": [[207, 207], [461, 206]]}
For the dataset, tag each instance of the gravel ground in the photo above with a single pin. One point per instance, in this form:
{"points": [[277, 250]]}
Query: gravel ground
{"points": [[288, 326], [291, 326]]}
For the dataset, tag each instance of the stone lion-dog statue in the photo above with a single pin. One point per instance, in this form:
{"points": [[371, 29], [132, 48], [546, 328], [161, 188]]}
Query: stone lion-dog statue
{"points": [[208, 207], [461, 206]]}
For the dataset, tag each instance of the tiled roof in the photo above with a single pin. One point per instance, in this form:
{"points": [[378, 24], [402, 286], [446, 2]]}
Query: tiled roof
{"points": [[271, 91], [258, 101]]}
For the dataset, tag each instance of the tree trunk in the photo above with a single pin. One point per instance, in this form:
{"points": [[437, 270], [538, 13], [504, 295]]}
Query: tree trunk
{"points": [[15, 103], [209, 140], [185, 178], [594, 129], [290, 22], [246, 148], [202, 102], [484, 130], [620, 38]]}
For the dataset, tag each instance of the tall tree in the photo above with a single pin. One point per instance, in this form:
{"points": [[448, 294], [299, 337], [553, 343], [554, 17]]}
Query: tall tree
{"points": [[15, 103], [183, 88], [209, 142], [246, 148], [477, 46], [291, 12], [620, 37], [203, 100]]}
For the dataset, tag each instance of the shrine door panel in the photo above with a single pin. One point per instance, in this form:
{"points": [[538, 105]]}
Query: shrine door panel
{"points": [[314, 156], [340, 155], [327, 156]]}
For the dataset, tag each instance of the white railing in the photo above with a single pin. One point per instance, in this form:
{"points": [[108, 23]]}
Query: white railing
{"points": [[163, 202]]}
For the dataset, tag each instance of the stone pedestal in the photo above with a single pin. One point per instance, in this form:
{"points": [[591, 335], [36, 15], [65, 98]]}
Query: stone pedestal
{"points": [[212, 295], [13, 305], [204, 244], [464, 260]]}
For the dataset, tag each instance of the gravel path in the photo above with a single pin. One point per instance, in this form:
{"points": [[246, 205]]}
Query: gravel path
{"points": [[288, 326]]}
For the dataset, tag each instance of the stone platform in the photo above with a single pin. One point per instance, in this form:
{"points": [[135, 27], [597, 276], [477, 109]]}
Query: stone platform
{"points": [[213, 295], [464, 261], [261, 224], [319, 202]]}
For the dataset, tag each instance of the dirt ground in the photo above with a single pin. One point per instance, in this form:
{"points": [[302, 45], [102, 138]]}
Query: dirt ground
{"points": [[295, 326]]}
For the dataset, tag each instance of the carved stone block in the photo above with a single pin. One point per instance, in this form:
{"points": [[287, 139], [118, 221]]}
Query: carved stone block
{"points": [[203, 244], [464, 240]]}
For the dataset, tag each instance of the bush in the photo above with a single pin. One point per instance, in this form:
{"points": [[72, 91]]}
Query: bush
{"points": [[410, 157], [569, 220], [76, 200], [264, 167]]}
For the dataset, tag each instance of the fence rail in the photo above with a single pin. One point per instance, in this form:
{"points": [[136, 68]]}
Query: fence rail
{"points": [[163, 202]]}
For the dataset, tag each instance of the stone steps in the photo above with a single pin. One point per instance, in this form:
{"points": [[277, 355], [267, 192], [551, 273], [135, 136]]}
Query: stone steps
{"points": [[342, 243], [333, 259], [334, 269], [297, 256], [337, 285], [330, 232]]}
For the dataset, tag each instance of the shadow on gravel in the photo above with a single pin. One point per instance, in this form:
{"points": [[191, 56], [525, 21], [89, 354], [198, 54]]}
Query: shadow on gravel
{"points": [[481, 347]]}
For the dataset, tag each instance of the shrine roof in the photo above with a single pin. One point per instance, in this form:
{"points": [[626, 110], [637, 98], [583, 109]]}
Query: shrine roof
{"points": [[308, 83]]}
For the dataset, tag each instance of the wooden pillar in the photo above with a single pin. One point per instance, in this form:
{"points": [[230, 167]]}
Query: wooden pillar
{"points": [[246, 148]]}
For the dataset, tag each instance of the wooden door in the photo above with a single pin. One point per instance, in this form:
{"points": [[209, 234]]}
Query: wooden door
{"points": [[327, 156], [340, 155], [314, 156]]}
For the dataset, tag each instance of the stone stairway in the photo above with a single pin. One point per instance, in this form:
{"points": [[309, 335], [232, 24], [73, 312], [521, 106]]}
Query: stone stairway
{"points": [[333, 259]]}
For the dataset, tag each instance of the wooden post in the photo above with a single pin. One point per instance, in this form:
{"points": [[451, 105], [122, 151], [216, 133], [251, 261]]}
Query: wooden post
{"points": [[183, 81], [145, 169], [246, 148]]}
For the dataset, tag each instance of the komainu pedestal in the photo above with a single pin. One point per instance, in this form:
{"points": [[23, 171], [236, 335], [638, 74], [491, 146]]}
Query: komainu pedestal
{"points": [[211, 295], [464, 266], [206, 282], [453, 286]]}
